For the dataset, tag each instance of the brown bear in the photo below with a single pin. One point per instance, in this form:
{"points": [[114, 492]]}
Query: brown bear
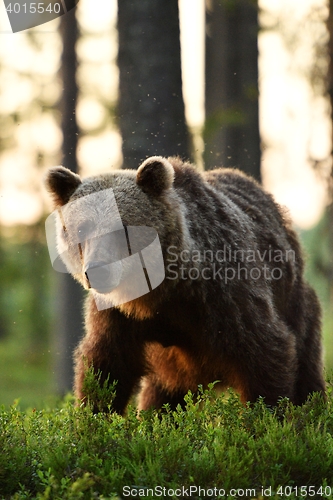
{"points": [[233, 306]]}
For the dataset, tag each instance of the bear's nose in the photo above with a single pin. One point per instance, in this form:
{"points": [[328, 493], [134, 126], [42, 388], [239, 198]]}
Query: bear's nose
{"points": [[97, 273]]}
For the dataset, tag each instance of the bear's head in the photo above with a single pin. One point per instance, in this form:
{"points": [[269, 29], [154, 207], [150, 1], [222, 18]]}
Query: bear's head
{"points": [[111, 230]]}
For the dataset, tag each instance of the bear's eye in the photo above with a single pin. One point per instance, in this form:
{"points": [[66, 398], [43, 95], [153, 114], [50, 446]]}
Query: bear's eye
{"points": [[86, 228]]}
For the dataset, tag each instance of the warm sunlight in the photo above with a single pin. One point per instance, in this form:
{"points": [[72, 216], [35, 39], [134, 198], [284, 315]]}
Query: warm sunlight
{"points": [[295, 122]]}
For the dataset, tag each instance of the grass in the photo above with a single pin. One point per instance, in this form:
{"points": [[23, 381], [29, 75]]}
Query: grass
{"points": [[25, 373], [68, 452], [215, 442], [317, 248]]}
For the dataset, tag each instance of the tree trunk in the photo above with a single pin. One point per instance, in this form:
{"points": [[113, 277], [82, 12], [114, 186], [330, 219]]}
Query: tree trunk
{"points": [[69, 320], [232, 120], [151, 108]]}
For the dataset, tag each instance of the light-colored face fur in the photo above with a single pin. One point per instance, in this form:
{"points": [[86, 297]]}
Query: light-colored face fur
{"points": [[92, 214], [90, 234]]}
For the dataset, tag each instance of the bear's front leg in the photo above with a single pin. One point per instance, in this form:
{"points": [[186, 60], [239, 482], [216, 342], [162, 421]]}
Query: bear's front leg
{"points": [[112, 345], [268, 367]]}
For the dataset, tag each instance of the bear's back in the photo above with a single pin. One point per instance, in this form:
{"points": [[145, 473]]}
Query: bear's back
{"points": [[228, 196], [271, 222]]}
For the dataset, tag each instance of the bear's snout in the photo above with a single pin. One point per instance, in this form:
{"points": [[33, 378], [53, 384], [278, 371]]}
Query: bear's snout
{"points": [[94, 265], [103, 276]]}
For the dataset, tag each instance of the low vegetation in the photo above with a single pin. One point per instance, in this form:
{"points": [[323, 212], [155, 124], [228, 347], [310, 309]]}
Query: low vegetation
{"points": [[214, 448], [62, 451]]}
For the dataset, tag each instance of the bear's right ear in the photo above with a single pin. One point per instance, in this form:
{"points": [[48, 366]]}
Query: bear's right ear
{"points": [[61, 183], [155, 175]]}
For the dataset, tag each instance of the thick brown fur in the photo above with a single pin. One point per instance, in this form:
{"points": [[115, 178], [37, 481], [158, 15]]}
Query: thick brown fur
{"points": [[257, 334]]}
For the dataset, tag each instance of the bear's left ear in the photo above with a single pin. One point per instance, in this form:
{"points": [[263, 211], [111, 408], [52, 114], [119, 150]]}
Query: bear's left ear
{"points": [[155, 175], [61, 183]]}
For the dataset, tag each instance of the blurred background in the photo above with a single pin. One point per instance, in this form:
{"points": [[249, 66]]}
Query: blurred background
{"points": [[242, 83]]}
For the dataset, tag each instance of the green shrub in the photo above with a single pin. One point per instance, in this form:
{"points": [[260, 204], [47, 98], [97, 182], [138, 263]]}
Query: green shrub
{"points": [[215, 442]]}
